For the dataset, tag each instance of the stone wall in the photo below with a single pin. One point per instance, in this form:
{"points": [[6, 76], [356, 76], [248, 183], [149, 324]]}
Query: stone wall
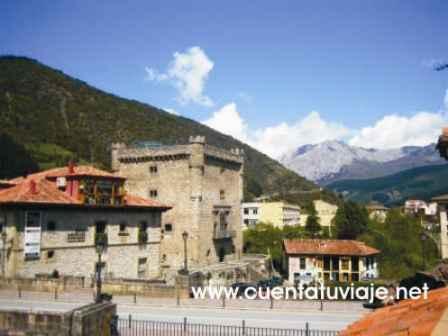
{"points": [[45, 285], [145, 288], [77, 257], [93, 319], [190, 178]]}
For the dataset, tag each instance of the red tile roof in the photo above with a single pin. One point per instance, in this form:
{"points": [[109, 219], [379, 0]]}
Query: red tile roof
{"points": [[328, 247], [132, 200], [40, 191], [65, 171], [409, 317], [40, 188]]}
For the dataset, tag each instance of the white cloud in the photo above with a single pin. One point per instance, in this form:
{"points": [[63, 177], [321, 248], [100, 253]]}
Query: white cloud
{"points": [[282, 138], [227, 120], [395, 131], [445, 101], [278, 139], [188, 73], [391, 131]]}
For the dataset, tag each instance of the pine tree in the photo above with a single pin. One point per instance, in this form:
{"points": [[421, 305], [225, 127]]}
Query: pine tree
{"points": [[312, 226]]}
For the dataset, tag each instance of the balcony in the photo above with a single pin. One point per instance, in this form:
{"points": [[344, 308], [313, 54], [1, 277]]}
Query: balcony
{"points": [[224, 234]]}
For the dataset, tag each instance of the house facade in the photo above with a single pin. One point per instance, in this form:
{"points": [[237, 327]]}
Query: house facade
{"points": [[52, 221], [416, 207], [377, 211], [442, 202], [279, 214], [250, 214], [323, 260], [205, 185]]}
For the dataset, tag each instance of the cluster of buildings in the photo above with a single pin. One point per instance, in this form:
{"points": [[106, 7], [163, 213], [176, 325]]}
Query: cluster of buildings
{"points": [[419, 207], [52, 220], [161, 209], [281, 214]]}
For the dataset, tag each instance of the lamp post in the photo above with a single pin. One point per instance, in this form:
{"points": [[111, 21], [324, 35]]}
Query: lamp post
{"points": [[185, 237], [99, 250]]}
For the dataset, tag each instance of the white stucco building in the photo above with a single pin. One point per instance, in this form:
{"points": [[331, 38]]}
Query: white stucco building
{"points": [[279, 214], [325, 260]]}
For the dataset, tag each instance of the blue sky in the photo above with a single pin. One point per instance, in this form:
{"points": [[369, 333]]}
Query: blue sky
{"points": [[276, 74]]}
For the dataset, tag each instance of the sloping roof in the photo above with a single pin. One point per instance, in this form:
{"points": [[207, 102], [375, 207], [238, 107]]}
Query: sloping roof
{"points": [[40, 191], [6, 183], [409, 317], [328, 247], [40, 188], [65, 171], [132, 200], [441, 199], [376, 206]]}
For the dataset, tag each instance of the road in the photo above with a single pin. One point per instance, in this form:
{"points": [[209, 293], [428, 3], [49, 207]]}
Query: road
{"points": [[253, 318], [326, 320]]}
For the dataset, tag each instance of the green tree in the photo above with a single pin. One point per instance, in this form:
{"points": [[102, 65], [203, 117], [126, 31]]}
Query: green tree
{"points": [[403, 252], [266, 239], [312, 226], [351, 220], [15, 160]]}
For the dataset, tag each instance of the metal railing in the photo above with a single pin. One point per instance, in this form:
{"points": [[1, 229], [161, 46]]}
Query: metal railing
{"points": [[130, 327]]}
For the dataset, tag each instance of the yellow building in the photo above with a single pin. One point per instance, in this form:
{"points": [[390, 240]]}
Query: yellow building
{"points": [[278, 214], [325, 211]]}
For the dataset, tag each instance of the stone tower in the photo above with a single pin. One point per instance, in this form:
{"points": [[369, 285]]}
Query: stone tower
{"points": [[203, 183]]}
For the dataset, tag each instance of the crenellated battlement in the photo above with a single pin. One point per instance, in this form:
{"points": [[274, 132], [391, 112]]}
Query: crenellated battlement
{"points": [[123, 153]]}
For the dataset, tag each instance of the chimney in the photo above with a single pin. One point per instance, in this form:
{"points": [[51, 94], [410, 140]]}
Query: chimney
{"points": [[33, 187], [71, 167]]}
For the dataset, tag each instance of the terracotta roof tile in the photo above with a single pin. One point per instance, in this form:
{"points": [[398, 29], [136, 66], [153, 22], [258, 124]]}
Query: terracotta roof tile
{"points": [[328, 247], [409, 317], [65, 171], [40, 188], [31, 191], [132, 200]]}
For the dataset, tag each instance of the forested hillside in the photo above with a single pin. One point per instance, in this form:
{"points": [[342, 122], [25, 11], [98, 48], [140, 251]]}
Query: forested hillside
{"points": [[53, 117]]}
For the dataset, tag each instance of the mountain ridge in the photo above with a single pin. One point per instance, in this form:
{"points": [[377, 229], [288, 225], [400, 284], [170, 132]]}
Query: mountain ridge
{"points": [[331, 161], [421, 183]]}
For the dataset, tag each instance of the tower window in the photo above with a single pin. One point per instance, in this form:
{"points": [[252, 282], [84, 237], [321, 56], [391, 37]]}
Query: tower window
{"points": [[51, 226], [153, 170], [153, 193], [50, 254], [168, 227], [222, 195]]}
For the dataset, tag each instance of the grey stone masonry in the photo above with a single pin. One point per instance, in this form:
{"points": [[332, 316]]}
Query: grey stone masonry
{"points": [[203, 183]]}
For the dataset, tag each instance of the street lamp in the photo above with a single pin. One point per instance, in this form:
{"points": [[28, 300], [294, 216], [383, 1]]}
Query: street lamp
{"points": [[185, 237], [100, 247]]}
